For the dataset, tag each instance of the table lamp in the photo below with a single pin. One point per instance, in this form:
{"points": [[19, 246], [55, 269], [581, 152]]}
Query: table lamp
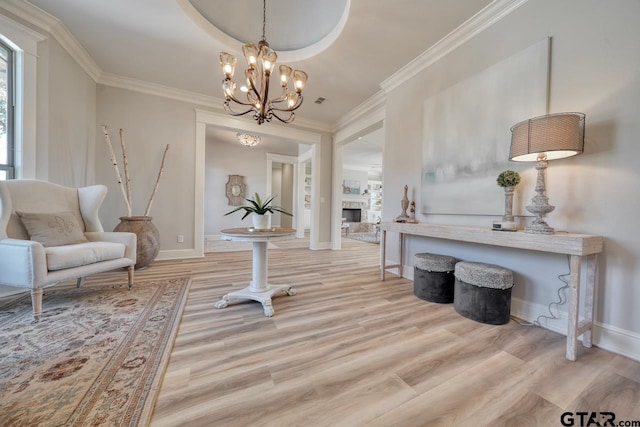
{"points": [[543, 138]]}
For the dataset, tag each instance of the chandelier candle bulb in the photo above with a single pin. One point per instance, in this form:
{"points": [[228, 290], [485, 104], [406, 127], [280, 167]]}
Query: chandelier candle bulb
{"points": [[228, 63], [285, 75]]}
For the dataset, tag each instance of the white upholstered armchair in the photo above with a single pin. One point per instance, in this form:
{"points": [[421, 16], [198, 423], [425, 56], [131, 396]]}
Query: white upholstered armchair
{"points": [[50, 233]]}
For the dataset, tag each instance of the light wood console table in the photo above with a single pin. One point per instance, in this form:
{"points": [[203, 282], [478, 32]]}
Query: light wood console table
{"points": [[579, 247]]}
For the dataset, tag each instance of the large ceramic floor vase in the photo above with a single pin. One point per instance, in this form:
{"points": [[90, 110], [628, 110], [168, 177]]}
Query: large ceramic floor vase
{"points": [[148, 240]]}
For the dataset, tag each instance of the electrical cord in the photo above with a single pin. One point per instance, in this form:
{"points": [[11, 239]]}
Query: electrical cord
{"points": [[561, 300]]}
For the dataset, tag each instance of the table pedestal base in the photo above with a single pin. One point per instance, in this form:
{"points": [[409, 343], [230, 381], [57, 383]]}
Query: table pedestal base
{"points": [[263, 297]]}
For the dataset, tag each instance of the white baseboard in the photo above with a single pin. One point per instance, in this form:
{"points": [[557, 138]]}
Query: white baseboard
{"points": [[178, 254], [7, 291], [322, 246], [606, 337], [617, 340]]}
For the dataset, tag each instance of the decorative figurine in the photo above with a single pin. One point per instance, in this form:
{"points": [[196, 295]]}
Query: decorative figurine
{"points": [[404, 203]]}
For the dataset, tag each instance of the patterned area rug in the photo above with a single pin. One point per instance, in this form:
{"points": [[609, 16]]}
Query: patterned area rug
{"points": [[96, 357]]}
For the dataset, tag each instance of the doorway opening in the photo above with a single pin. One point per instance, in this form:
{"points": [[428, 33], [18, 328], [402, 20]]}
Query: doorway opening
{"points": [[211, 201]]}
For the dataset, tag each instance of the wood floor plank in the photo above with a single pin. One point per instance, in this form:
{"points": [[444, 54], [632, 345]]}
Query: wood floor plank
{"points": [[453, 401], [610, 392]]}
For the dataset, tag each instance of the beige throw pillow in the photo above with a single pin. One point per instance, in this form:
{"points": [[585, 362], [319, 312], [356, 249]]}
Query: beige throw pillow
{"points": [[53, 229]]}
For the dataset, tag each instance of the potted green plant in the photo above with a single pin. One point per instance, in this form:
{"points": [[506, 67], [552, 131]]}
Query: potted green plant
{"points": [[262, 211], [508, 180]]}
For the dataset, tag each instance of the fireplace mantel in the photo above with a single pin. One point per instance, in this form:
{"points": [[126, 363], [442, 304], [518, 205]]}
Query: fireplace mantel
{"points": [[355, 205]]}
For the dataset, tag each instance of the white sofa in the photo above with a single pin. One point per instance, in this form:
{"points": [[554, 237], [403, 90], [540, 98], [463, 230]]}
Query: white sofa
{"points": [[50, 233]]}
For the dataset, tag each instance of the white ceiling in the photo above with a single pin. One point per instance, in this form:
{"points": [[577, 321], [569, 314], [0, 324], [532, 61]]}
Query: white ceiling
{"points": [[365, 153], [307, 23], [348, 47], [267, 143], [157, 41]]}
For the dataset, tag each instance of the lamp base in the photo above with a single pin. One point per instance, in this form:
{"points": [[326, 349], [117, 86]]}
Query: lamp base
{"points": [[540, 204], [539, 228]]}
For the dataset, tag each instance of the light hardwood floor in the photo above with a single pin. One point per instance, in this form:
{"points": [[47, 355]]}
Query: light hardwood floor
{"points": [[350, 350]]}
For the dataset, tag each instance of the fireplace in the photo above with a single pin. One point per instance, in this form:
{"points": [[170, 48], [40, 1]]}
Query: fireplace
{"points": [[352, 215]]}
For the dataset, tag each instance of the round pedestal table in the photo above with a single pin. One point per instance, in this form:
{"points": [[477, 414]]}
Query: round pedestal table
{"points": [[259, 289]]}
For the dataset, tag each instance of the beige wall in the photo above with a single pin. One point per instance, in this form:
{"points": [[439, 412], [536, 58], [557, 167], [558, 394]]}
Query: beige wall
{"points": [[149, 123], [285, 198], [224, 159], [325, 192], [594, 69], [58, 125], [67, 119]]}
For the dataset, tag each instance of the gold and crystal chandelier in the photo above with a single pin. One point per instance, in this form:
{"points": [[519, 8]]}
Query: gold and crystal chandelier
{"points": [[261, 62]]}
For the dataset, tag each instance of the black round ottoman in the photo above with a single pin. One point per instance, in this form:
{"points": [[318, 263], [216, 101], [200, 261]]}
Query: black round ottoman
{"points": [[433, 277], [483, 292]]}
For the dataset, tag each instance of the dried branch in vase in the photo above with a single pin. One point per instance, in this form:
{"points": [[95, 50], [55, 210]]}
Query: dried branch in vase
{"points": [[125, 184]]}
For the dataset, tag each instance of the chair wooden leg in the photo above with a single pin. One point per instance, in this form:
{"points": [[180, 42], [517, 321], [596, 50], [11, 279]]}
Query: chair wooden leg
{"points": [[36, 303], [80, 282], [130, 271]]}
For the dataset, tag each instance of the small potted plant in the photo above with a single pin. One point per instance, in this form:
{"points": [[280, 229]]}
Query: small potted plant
{"points": [[262, 211], [508, 180]]}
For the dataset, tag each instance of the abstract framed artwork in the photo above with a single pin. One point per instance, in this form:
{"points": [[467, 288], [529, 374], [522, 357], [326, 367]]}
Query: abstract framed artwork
{"points": [[466, 134], [350, 186]]}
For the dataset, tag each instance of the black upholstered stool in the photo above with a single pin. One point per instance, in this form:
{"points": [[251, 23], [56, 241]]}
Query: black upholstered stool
{"points": [[483, 292], [433, 277]]}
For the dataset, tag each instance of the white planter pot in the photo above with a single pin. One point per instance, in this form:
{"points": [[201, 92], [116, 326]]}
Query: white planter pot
{"points": [[261, 222]]}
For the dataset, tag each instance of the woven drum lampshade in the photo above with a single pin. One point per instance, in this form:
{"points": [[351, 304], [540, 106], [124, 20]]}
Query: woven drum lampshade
{"points": [[553, 135]]}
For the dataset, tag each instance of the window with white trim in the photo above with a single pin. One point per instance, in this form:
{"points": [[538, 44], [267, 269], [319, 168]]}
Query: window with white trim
{"points": [[7, 89]]}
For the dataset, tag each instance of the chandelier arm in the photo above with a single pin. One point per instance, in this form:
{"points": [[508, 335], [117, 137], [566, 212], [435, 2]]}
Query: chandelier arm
{"points": [[287, 120], [286, 110], [260, 118], [252, 83], [229, 110], [295, 107], [264, 100], [231, 96], [282, 96]]}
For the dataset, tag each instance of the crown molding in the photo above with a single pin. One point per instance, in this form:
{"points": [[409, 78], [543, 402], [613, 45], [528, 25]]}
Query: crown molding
{"points": [[44, 21], [482, 20], [48, 23], [155, 89], [30, 13], [311, 125], [141, 86], [76, 50], [372, 106]]}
